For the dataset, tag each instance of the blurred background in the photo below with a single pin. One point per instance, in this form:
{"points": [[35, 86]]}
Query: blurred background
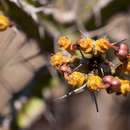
{"points": [[29, 85]]}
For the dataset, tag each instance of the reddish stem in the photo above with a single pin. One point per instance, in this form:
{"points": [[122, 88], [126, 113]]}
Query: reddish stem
{"points": [[104, 86], [111, 46]]}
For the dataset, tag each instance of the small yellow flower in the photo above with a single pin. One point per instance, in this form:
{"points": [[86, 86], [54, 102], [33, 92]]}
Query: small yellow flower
{"points": [[93, 82], [86, 44], [64, 43], [76, 79], [58, 59], [101, 46], [126, 68], [4, 23], [125, 87]]}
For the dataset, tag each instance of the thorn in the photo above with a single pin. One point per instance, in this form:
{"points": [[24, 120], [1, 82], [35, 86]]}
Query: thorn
{"points": [[84, 34], [82, 53], [94, 99], [102, 71], [76, 91], [114, 43], [77, 67]]}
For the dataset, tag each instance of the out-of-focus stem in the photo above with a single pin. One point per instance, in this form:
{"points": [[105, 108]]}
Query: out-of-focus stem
{"points": [[104, 86]]}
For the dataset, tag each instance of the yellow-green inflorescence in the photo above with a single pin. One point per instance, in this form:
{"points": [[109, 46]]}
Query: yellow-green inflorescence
{"points": [[95, 71]]}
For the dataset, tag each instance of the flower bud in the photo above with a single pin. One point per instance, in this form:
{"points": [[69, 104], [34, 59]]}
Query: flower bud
{"points": [[123, 46], [127, 68], [64, 43], [93, 82], [74, 46], [58, 59], [125, 87], [86, 44], [108, 79], [76, 79], [101, 45], [122, 53], [65, 69], [4, 23], [115, 83]]}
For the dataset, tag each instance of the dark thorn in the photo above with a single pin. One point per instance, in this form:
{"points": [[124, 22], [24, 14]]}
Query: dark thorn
{"points": [[81, 53], [102, 71], [93, 96]]}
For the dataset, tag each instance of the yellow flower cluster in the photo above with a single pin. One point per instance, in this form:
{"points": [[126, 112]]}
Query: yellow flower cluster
{"points": [[101, 45], [86, 44], [125, 87], [4, 23], [64, 43], [76, 79], [58, 59], [93, 82], [126, 68], [90, 63]]}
